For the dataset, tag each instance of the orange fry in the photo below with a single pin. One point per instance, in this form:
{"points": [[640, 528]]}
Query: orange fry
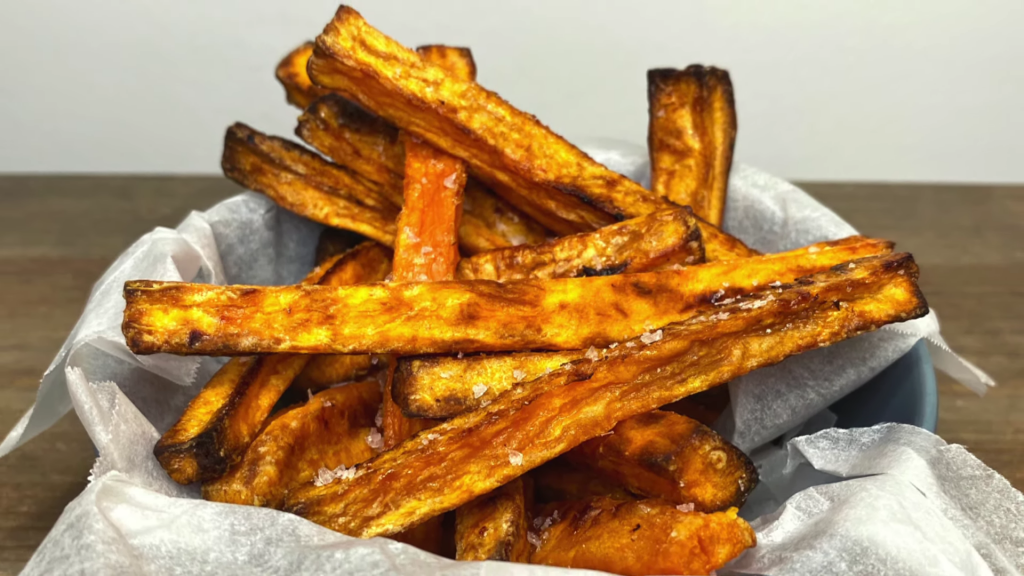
{"points": [[560, 314], [691, 135], [640, 537], [291, 73], [426, 247], [664, 455], [291, 449]]}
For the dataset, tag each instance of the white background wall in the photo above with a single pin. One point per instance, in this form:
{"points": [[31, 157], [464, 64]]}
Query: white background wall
{"points": [[844, 90]]}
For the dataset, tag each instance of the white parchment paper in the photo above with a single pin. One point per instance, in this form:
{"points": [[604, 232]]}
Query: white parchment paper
{"points": [[891, 498]]}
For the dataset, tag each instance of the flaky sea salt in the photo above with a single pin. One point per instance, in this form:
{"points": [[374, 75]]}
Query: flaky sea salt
{"points": [[630, 344], [533, 539], [426, 250], [685, 507], [592, 354], [650, 337], [613, 345], [379, 418], [775, 284], [449, 182], [309, 395], [375, 440], [852, 265], [325, 475], [328, 403], [428, 438], [518, 375], [479, 390], [515, 458]]}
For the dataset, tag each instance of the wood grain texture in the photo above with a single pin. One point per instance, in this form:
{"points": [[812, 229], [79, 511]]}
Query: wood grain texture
{"points": [[58, 234]]}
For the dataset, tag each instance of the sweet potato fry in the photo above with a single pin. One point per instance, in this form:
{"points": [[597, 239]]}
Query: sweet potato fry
{"points": [[355, 138], [222, 420], [370, 146], [302, 182], [326, 370], [664, 455], [443, 386], [426, 246], [691, 136], [636, 245], [509, 150], [291, 73], [493, 527], [559, 480], [479, 315], [642, 537], [328, 432], [472, 454]]}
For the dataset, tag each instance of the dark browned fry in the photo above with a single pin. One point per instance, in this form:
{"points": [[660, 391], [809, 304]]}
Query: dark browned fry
{"points": [[328, 432], [370, 146], [356, 139], [443, 386], [493, 527], [306, 184], [446, 317], [640, 537], [637, 245], [291, 73], [470, 455], [517, 156], [691, 136], [559, 480], [664, 455], [221, 421]]}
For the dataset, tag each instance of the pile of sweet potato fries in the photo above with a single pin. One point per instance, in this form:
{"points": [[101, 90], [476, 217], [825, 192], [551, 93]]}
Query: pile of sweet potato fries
{"points": [[519, 359]]}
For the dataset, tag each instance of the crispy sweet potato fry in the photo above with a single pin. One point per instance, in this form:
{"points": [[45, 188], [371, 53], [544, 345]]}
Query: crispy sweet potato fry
{"points": [[479, 315], [517, 156], [222, 420], [291, 73], [355, 138], [370, 146], [664, 455], [443, 386], [472, 454], [636, 245], [691, 136], [302, 182], [559, 480], [326, 370], [493, 527], [642, 537], [329, 431]]}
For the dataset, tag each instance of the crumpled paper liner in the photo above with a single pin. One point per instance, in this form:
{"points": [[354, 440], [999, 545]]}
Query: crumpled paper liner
{"points": [[132, 518]]}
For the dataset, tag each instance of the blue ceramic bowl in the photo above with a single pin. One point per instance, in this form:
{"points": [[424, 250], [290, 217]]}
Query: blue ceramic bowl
{"points": [[904, 392]]}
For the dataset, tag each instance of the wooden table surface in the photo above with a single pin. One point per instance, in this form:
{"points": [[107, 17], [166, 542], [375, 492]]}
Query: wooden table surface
{"points": [[58, 234]]}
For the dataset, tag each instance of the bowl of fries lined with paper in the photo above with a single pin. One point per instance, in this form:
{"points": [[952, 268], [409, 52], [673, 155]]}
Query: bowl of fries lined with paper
{"points": [[506, 350]]}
